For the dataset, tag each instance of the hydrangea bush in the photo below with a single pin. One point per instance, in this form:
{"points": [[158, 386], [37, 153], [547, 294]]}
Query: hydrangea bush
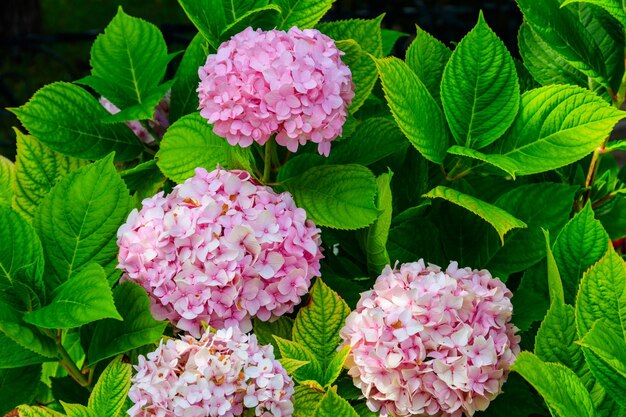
{"points": [[252, 227]]}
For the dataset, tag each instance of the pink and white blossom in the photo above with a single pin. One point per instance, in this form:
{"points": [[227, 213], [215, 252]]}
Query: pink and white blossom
{"points": [[433, 343], [220, 375], [219, 249], [292, 84], [159, 123]]}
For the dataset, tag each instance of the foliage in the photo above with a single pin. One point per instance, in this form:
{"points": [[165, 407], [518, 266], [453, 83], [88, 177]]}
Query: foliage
{"points": [[459, 152]]}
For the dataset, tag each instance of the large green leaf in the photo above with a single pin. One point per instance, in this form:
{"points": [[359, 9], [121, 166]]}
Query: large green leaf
{"points": [[12, 355], [21, 255], [557, 337], [305, 401], [544, 63], [128, 62], [78, 410], [112, 337], [38, 169], [318, 323], [557, 125], [532, 299], [37, 411], [378, 232], [78, 220], [363, 71], [300, 362], [581, 243], [366, 33], [333, 405], [7, 178], [109, 394], [84, 298], [498, 218], [264, 17], [479, 89], [22, 333], [302, 13], [337, 196], [561, 29], [69, 120], [184, 99], [427, 57], [605, 351], [18, 386], [188, 144], [208, 16], [559, 386], [502, 162], [374, 139], [390, 38], [417, 113], [602, 295], [614, 7]]}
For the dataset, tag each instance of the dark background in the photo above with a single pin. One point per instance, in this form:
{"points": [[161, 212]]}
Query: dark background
{"points": [[42, 41]]}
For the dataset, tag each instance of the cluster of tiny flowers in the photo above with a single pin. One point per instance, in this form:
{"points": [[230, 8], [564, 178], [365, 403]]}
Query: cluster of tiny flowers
{"points": [[222, 374], [292, 84], [428, 342], [159, 124], [219, 249]]}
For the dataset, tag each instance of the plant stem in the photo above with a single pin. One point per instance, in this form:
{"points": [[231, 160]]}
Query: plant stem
{"points": [[66, 360], [267, 160]]}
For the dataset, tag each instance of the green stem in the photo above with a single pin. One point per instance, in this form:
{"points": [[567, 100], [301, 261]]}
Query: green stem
{"points": [[267, 160], [67, 362]]}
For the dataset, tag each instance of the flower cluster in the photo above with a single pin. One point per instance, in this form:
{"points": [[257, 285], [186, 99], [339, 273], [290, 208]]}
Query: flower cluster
{"points": [[292, 84], [428, 342], [159, 124], [221, 374], [219, 249]]}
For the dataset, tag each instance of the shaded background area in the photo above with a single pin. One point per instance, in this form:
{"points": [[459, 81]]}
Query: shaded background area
{"points": [[42, 41]]}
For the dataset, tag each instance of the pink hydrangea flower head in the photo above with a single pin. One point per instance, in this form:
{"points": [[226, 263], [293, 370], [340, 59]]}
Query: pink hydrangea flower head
{"points": [[222, 374], [432, 343], [219, 249], [292, 84], [159, 124]]}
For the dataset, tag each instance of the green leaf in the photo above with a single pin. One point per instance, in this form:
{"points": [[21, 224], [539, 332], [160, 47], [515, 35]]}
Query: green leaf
{"points": [[84, 298], [305, 401], [561, 29], [37, 169], [265, 331], [335, 366], [302, 13], [112, 337], [427, 57], [531, 301], [502, 162], [605, 351], [25, 335], [479, 89], [555, 286], [21, 255], [264, 17], [374, 139], [556, 339], [37, 411], [390, 38], [12, 355], [544, 63], [18, 386], [78, 410], [78, 220], [559, 386], [69, 120], [145, 178], [366, 33], [602, 295], [109, 394], [581, 243], [337, 196], [128, 62], [498, 218], [333, 405], [301, 361], [405, 245], [318, 323], [614, 7], [7, 178], [208, 16], [363, 71], [557, 125], [188, 144], [376, 238], [184, 98], [418, 115]]}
